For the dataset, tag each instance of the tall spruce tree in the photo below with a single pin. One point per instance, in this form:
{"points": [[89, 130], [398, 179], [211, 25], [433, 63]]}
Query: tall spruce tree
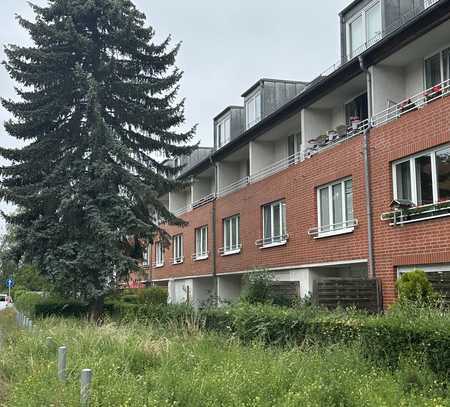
{"points": [[97, 101]]}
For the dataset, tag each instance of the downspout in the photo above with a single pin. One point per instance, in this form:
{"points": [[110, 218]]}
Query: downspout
{"points": [[214, 240], [367, 178]]}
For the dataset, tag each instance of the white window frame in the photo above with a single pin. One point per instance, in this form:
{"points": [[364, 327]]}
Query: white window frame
{"points": [[235, 241], [363, 14], [178, 250], [221, 141], [253, 99], [146, 255], [201, 253], [273, 240], [159, 254], [348, 225], [413, 176], [439, 51]]}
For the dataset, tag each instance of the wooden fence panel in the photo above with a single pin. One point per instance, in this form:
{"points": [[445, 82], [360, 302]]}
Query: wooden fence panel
{"points": [[440, 280], [287, 289], [364, 294]]}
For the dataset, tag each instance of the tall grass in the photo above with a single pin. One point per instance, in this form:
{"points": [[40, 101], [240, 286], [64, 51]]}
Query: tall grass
{"points": [[138, 365]]}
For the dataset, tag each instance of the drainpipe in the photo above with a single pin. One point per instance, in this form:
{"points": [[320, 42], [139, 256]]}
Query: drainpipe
{"points": [[368, 189], [214, 240]]}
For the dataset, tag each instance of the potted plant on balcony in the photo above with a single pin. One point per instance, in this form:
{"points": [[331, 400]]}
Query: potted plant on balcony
{"points": [[407, 106], [434, 92], [355, 122]]}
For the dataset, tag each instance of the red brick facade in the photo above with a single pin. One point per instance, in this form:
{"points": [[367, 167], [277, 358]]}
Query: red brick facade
{"points": [[426, 242]]}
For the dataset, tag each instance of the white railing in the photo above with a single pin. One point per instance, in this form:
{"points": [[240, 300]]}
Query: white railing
{"points": [[276, 167], [203, 201], [333, 228], [181, 211], [230, 250], [413, 103], [417, 214], [334, 138], [200, 256], [272, 240], [234, 186], [429, 3], [177, 260]]}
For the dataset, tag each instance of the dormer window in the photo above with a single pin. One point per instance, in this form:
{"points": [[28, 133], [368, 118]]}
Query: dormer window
{"points": [[364, 29], [223, 131], [253, 110]]}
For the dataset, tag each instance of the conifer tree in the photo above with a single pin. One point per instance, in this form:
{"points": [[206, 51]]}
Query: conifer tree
{"points": [[97, 101]]}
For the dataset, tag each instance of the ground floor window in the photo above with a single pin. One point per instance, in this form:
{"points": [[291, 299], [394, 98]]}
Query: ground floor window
{"points": [[335, 203], [177, 243], [201, 243], [274, 223], [231, 234]]}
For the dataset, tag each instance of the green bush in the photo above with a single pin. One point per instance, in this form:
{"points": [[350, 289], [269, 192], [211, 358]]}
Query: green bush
{"points": [[27, 301], [129, 298], [415, 286], [258, 289], [153, 296]]}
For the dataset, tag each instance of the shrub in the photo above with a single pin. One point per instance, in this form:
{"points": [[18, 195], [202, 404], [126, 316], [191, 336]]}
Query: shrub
{"points": [[129, 298], [415, 286], [258, 288], [153, 296], [27, 301]]}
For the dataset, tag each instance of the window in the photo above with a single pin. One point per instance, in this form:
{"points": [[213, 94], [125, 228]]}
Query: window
{"points": [[201, 243], [335, 202], [294, 145], [253, 110], [423, 179], [177, 244], [159, 248], [437, 68], [231, 235], [223, 132], [274, 224], [145, 255], [358, 107], [364, 29]]}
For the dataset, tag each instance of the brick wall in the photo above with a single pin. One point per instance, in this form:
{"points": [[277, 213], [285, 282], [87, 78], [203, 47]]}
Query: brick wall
{"points": [[426, 242]]}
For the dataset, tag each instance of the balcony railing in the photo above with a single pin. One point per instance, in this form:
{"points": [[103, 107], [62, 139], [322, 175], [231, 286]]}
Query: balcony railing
{"points": [[234, 186], [413, 103], [203, 201], [334, 228], [183, 210], [273, 240], [276, 167], [230, 250], [200, 256], [417, 214]]}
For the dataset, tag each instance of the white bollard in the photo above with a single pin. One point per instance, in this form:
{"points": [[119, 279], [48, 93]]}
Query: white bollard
{"points": [[85, 391], [62, 361]]}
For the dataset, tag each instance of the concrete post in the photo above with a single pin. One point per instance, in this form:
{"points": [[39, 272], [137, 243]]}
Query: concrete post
{"points": [[85, 390], [50, 343], [62, 362]]}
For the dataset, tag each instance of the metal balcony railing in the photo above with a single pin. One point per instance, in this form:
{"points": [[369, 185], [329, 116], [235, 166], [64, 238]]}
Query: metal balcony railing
{"points": [[276, 167], [413, 103], [200, 256], [203, 201], [333, 228], [234, 186], [230, 250], [417, 214], [177, 260], [273, 240], [183, 210]]}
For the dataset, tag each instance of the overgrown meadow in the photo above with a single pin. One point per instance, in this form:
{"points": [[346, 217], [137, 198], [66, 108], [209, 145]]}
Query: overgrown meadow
{"points": [[181, 365]]}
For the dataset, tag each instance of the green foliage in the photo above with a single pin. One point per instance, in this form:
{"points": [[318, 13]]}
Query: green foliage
{"points": [[138, 364], [415, 286], [153, 296], [27, 301], [97, 98]]}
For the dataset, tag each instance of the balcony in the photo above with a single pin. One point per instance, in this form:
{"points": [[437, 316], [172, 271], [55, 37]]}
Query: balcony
{"points": [[180, 202], [404, 216], [233, 172], [203, 188]]}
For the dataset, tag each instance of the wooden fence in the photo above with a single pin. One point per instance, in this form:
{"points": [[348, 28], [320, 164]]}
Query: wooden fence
{"points": [[286, 289], [440, 280], [364, 294]]}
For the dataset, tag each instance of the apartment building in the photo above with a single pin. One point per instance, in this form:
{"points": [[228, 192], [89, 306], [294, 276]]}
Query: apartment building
{"points": [[347, 175]]}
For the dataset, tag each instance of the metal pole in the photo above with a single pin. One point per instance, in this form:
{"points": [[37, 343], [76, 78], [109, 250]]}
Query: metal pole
{"points": [[62, 361], [85, 391]]}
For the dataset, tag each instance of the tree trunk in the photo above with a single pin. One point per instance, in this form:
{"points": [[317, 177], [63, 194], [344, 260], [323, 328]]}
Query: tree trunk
{"points": [[96, 310]]}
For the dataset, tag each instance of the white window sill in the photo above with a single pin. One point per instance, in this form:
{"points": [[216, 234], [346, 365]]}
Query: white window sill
{"points": [[334, 233], [157, 266], [270, 245], [200, 258], [176, 263], [231, 252]]}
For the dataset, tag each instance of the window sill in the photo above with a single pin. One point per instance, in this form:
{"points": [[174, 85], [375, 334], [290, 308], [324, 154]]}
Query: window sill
{"points": [[177, 263], [231, 252], [200, 258], [158, 266], [334, 233], [270, 245]]}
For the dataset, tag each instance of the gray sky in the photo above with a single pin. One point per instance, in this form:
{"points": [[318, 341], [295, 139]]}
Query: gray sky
{"points": [[227, 46]]}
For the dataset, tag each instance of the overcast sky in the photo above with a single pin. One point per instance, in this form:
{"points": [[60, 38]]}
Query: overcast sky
{"points": [[227, 46]]}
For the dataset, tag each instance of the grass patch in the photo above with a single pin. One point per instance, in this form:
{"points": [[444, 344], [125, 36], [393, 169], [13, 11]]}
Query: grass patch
{"points": [[149, 365]]}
